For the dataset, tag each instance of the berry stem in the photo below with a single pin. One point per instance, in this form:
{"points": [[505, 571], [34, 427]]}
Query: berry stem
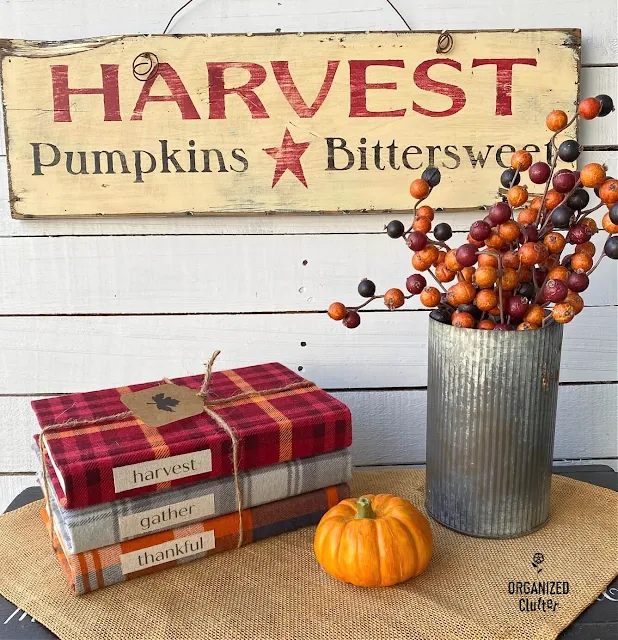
{"points": [[596, 264], [432, 274], [360, 306], [500, 288], [583, 214]]}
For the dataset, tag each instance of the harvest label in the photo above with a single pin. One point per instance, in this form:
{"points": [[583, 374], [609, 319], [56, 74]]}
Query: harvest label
{"points": [[234, 124], [163, 518], [167, 552], [144, 474]]}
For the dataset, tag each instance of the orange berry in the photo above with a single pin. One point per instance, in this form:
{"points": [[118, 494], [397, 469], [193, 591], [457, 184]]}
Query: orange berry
{"points": [[592, 175], [575, 300], [495, 240], [429, 253], [609, 192], [532, 253], [485, 277], [337, 311], [460, 293], [554, 241], [517, 195], [521, 159], [608, 225], [422, 224], [527, 326], [419, 189], [486, 259], [589, 108], [476, 243], [509, 230], [556, 120], [535, 204], [419, 263], [527, 216], [525, 273], [440, 258], [553, 199], [450, 260], [588, 248], [467, 273], [558, 273], [563, 313], [510, 259], [591, 224], [394, 298], [444, 274], [430, 297], [486, 325], [535, 314], [581, 262], [425, 212], [462, 319], [486, 300], [509, 279]]}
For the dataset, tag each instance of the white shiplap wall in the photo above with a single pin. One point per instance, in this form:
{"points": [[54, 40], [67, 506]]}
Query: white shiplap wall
{"points": [[91, 304]]}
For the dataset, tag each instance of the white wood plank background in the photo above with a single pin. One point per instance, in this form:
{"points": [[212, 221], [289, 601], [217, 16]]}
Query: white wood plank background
{"points": [[242, 280]]}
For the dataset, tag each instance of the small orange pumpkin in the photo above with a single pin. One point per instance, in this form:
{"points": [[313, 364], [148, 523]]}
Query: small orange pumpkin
{"points": [[375, 541]]}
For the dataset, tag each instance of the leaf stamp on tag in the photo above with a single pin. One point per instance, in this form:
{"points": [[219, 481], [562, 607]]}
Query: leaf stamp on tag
{"points": [[163, 404]]}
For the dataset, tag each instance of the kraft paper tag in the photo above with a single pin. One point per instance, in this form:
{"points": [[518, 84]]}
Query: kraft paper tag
{"points": [[163, 404]]}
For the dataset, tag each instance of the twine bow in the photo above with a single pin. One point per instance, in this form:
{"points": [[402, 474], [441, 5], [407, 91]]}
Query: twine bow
{"points": [[208, 410]]}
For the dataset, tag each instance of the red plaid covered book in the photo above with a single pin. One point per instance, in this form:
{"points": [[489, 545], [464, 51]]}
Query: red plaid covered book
{"points": [[89, 464]]}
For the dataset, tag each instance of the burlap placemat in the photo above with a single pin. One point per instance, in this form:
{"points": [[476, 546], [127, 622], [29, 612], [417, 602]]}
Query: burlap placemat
{"points": [[275, 589]]}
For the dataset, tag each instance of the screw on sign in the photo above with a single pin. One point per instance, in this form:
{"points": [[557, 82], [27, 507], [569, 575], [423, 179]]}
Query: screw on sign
{"points": [[512, 274]]}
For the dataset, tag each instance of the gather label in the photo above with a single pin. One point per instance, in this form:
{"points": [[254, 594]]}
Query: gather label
{"points": [[143, 474], [167, 552], [168, 517]]}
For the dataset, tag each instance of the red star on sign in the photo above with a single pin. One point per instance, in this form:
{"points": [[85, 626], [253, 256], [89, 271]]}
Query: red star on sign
{"points": [[288, 157]]}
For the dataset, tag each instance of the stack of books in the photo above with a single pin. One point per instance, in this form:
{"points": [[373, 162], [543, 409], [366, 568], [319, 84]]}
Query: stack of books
{"points": [[125, 499]]}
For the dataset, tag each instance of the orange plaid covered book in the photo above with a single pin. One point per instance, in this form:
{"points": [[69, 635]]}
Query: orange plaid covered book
{"points": [[91, 570], [123, 458]]}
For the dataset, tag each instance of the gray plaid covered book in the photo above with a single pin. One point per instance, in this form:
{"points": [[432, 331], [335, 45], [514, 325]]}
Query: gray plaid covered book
{"points": [[108, 523]]}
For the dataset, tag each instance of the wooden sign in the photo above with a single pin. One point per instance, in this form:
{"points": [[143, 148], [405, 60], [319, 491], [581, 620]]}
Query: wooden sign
{"points": [[299, 123]]}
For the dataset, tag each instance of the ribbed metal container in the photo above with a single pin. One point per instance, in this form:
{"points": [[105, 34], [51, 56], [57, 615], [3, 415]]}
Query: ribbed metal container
{"points": [[491, 417]]}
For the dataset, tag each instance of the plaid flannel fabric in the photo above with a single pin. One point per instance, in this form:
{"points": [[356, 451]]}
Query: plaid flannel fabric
{"points": [[284, 426], [100, 525], [103, 567]]}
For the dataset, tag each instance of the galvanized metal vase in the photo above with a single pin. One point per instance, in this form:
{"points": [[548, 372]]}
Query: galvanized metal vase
{"points": [[491, 417]]}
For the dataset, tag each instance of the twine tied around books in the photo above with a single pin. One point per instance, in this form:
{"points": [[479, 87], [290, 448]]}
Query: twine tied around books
{"points": [[208, 410]]}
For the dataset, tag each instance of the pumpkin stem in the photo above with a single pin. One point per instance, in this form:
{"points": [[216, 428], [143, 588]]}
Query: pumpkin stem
{"points": [[363, 506]]}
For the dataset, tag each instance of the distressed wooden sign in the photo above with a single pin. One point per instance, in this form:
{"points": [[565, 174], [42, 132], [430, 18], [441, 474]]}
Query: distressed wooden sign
{"points": [[300, 123]]}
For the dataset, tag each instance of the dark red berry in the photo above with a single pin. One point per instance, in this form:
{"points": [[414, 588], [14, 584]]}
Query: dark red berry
{"points": [[529, 233], [539, 276], [563, 181], [500, 212], [578, 234], [578, 282], [561, 216], [517, 306], [351, 320], [508, 179], [480, 230], [441, 315], [366, 288], [611, 247], [415, 283], [466, 255], [539, 172], [504, 327], [395, 229], [417, 240], [578, 200], [607, 105], [555, 290], [489, 221], [432, 176]]}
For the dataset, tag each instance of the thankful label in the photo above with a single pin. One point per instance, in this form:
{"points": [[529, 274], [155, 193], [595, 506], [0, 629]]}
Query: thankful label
{"points": [[163, 404], [167, 552], [139, 524], [143, 474]]}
